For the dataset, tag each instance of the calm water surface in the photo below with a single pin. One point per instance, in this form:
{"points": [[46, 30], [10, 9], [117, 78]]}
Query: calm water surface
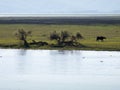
{"points": [[59, 70]]}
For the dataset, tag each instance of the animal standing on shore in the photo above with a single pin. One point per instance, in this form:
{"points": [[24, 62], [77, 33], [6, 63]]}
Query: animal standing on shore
{"points": [[100, 38]]}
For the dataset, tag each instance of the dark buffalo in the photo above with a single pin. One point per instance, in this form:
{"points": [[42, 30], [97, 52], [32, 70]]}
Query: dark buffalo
{"points": [[101, 38]]}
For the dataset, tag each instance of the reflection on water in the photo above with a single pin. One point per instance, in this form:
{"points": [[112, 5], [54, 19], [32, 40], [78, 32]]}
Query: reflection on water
{"points": [[22, 52], [59, 70], [21, 63]]}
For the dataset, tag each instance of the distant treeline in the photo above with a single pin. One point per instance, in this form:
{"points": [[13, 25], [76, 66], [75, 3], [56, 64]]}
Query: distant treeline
{"points": [[60, 20]]}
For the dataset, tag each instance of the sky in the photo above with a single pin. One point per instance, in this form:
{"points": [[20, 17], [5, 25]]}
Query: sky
{"points": [[59, 6]]}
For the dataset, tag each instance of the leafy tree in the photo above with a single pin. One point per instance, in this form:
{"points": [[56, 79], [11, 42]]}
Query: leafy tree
{"points": [[79, 36], [73, 38], [55, 36], [60, 37], [22, 35], [64, 35]]}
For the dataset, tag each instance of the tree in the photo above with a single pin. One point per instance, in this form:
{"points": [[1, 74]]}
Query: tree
{"points": [[79, 36], [22, 35], [55, 36], [64, 35], [60, 37]]}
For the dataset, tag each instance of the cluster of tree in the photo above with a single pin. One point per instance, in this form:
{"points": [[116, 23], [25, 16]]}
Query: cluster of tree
{"points": [[63, 38]]}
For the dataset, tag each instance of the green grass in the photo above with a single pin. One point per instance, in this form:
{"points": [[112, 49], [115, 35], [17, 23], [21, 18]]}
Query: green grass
{"points": [[42, 32]]}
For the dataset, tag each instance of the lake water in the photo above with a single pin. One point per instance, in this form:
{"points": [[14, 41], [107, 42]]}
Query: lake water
{"points": [[59, 70]]}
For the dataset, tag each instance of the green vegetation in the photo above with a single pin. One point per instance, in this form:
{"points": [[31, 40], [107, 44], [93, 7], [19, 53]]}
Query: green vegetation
{"points": [[42, 33]]}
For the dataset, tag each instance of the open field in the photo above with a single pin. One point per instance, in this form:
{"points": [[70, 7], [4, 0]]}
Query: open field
{"points": [[41, 32]]}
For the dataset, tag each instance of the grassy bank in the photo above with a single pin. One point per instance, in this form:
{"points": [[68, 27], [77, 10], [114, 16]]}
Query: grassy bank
{"points": [[42, 32]]}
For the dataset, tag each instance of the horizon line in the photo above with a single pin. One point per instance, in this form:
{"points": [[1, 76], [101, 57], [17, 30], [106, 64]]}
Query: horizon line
{"points": [[83, 14]]}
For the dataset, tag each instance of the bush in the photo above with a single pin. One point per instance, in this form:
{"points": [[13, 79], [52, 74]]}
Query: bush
{"points": [[79, 36], [54, 36]]}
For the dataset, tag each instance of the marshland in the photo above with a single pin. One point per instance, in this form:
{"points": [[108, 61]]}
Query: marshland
{"points": [[42, 27]]}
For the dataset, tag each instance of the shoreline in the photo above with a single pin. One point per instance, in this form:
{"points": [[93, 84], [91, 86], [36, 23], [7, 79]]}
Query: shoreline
{"points": [[59, 48]]}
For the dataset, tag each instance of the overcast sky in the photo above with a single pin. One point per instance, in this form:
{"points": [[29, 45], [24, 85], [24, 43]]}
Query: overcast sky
{"points": [[59, 6]]}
